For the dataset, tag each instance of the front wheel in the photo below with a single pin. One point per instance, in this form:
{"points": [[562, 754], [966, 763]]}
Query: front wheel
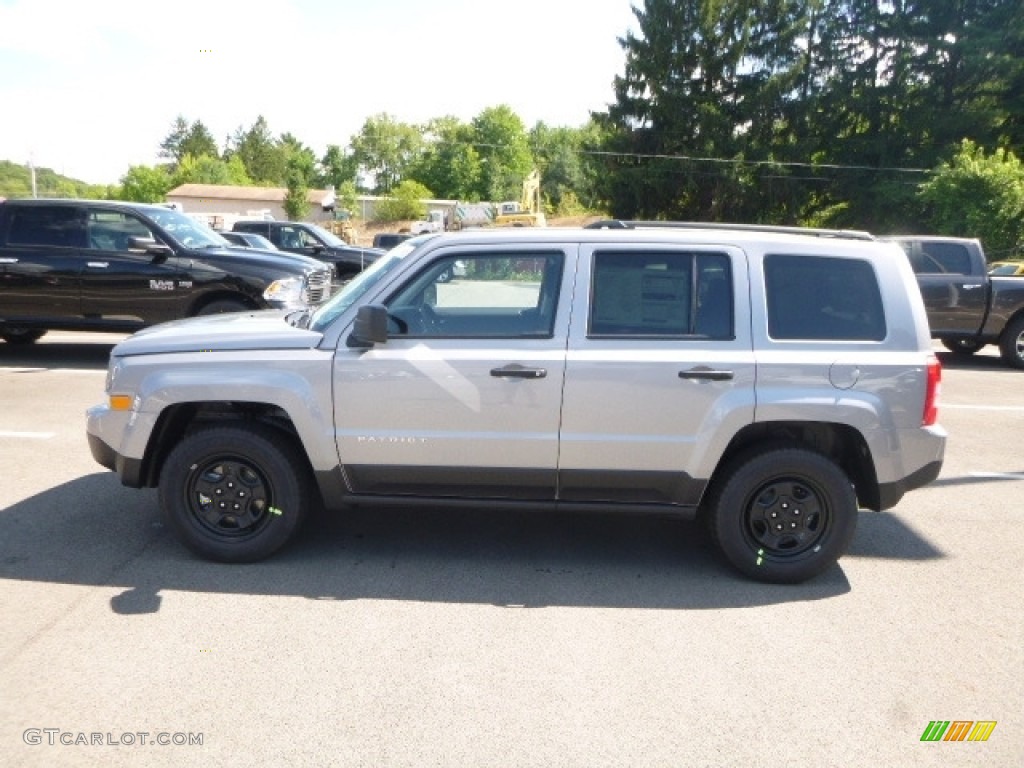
{"points": [[234, 493], [783, 514], [1011, 343], [962, 347], [17, 335]]}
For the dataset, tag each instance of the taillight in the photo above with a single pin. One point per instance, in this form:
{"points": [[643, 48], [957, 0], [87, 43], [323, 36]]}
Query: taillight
{"points": [[931, 394]]}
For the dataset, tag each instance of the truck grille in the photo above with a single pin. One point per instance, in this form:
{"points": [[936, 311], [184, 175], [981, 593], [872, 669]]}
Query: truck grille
{"points": [[318, 286]]}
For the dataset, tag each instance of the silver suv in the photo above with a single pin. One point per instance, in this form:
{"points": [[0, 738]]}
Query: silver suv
{"points": [[770, 382]]}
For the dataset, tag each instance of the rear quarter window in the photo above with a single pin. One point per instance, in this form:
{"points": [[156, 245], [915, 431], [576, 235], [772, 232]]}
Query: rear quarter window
{"points": [[822, 298]]}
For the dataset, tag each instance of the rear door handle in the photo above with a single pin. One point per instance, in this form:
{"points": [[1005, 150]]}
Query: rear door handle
{"points": [[703, 373], [8, 260], [98, 264], [517, 371]]}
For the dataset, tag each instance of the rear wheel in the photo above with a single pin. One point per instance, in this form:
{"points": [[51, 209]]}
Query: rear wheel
{"points": [[963, 347], [234, 493], [16, 335], [783, 514], [1011, 344]]}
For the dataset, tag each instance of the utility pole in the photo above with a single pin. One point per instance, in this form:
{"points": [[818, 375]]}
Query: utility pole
{"points": [[32, 173]]}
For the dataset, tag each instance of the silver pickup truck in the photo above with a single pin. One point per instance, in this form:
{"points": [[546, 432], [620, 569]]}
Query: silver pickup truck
{"points": [[768, 382]]}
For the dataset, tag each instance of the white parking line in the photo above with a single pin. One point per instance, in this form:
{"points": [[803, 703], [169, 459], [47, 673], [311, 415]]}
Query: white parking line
{"points": [[27, 435], [999, 475], [982, 407]]}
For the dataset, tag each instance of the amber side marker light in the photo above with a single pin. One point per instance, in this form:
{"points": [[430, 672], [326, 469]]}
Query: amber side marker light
{"points": [[120, 402]]}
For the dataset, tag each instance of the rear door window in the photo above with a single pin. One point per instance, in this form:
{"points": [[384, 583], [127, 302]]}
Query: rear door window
{"points": [[818, 297], [59, 226]]}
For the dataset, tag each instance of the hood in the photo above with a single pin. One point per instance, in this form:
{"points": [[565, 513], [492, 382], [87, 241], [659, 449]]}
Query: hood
{"points": [[259, 329], [257, 257]]}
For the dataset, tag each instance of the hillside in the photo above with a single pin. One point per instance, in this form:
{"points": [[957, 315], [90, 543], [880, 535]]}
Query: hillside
{"points": [[16, 181]]}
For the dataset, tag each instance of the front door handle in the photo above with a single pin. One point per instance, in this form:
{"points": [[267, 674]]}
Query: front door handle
{"points": [[8, 260], [517, 371], [98, 264], [703, 373]]}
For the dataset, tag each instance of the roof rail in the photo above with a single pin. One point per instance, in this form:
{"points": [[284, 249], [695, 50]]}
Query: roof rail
{"points": [[850, 234]]}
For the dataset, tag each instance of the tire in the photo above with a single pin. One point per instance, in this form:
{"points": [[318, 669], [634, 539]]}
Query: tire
{"points": [[1011, 343], [263, 492], [222, 306], [962, 347], [21, 336], [787, 486]]}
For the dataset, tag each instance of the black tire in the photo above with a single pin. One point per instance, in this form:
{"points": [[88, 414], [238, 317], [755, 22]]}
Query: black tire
{"points": [[1011, 343], [223, 306], [19, 336], [783, 514], [962, 347], [263, 491]]}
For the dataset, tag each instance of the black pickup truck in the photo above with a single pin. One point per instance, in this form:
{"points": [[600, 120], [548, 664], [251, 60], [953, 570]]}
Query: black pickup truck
{"points": [[98, 265], [967, 308], [316, 242]]}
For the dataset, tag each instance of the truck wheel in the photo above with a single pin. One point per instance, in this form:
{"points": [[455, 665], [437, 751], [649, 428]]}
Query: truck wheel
{"points": [[234, 493], [962, 347], [16, 335], [783, 514], [1011, 343], [221, 306]]}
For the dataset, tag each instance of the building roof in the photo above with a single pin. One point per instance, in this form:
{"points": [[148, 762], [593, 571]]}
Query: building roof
{"points": [[253, 194]]}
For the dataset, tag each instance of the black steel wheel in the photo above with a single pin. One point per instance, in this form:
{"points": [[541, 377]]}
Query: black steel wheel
{"points": [[1011, 343], [783, 514], [234, 493]]}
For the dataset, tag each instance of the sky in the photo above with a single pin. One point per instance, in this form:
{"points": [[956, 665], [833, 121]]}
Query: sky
{"points": [[90, 88]]}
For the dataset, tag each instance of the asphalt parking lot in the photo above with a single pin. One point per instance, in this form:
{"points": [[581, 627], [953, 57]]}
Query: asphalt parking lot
{"points": [[448, 638]]}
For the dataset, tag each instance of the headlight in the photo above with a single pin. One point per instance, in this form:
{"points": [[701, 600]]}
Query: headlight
{"points": [[287, 291], [113, 371]]}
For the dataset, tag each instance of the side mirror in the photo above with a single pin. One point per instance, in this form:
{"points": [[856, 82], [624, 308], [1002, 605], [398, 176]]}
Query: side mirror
{"points": [[370, 327], [148, 245]]}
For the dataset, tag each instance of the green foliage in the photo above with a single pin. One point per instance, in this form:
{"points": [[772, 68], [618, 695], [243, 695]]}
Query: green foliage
{"points": [[337, 168], [981, 196], [264, 157], [449, 164], [144, 184], [300, 170], [185, 139], [16, 181], [209, 170], [504, 149], [405, 203], [386, 149]]}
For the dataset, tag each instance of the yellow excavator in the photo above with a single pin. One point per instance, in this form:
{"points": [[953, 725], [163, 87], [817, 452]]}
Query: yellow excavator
{"points": [[527, 212]]}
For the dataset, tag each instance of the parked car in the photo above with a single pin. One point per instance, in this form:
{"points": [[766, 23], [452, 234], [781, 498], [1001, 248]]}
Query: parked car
{"points": [[248, 240], [769, 383], [316, 242], [100, 265], [1006, 268], [967, 307], [388, 240]]}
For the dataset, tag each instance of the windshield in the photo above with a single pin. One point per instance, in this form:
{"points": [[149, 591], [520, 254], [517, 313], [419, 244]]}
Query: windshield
{"points": [[185, 230], [332, 240], [361, 283]]}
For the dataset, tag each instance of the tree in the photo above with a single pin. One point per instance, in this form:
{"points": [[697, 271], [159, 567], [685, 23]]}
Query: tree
{"points": [[974, 195], [300, 170], [450, 164], [209, 170], [145, 184], [337, 168], [500, 139], [263, 156], [386, 149], [184, 139], [405, 203]]}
